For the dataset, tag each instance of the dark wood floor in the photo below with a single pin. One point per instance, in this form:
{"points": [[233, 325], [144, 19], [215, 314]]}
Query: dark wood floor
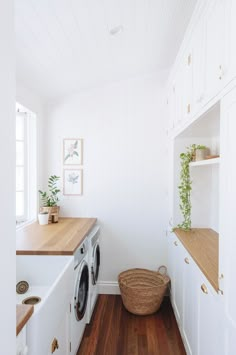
{"points": [[115, 331]]}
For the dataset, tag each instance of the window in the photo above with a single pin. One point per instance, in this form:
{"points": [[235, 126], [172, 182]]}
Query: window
{"points": [[26, 166]]}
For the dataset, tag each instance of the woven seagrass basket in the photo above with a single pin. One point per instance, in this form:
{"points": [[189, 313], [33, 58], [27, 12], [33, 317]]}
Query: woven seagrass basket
{"points": [[142, 290]]}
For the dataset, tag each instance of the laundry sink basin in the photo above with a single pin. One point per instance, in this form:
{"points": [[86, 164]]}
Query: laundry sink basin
{"points": [[51, 279]]}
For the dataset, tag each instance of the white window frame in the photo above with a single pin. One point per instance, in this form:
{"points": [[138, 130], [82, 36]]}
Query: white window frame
{"points": [[30, 166]]}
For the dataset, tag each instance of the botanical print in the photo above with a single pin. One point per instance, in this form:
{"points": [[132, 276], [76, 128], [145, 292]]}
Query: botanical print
{"points": [[72, 182], [72, 151]]}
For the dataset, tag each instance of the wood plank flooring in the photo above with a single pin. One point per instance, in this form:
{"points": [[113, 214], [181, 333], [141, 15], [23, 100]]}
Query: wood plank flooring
{"points": [[115, 331]]}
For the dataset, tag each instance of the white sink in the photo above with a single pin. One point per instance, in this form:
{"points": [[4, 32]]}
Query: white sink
{"points": [[51, 279]]}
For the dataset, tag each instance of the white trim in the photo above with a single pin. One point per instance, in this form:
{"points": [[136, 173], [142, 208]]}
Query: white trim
{"points": [[108, 288]]}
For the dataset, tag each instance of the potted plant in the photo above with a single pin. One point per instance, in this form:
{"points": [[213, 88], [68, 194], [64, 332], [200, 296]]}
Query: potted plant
{"points": [[200, 152], [50, 199], [43, 218], [185, 185]]}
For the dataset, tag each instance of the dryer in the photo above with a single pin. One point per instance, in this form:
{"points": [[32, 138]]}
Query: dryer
{"points": [[94, 268], [80, 301]]}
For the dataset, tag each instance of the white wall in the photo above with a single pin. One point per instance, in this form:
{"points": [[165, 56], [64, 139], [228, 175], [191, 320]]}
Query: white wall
{"points": [[7, 180], [124, 132]]}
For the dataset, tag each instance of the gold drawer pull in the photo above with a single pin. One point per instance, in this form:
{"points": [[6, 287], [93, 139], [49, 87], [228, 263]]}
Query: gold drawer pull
{"points": [[186, 260], [204, 289], [54, 345], [176, 243]]}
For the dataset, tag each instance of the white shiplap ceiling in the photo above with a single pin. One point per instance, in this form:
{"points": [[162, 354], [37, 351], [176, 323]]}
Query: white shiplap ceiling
{"points": [[65, 45]]}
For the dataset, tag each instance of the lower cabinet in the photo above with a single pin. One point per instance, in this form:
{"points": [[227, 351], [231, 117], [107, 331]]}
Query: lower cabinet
{"points": [[197, 306], [176, 251], [59, 344], [211, 320], [190, 295]]}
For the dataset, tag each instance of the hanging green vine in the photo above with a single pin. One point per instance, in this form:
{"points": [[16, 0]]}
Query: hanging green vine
{"points": [[185, 186]]}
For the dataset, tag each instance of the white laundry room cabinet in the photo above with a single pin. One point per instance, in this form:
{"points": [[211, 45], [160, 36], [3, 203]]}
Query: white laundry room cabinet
{"points": [[201, 99]]}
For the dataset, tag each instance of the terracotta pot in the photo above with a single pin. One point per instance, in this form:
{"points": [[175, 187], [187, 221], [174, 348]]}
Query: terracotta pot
{"points": [[51, 210]]}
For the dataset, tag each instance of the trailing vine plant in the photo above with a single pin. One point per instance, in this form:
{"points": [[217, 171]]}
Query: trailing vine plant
{"points": [[185, 186]]}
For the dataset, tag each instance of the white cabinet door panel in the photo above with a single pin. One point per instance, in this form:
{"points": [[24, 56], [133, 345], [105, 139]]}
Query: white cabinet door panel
{"points": [[230, 70], [178, 255], [215, 48], [190, 300], [227, 208], [211, 339]]}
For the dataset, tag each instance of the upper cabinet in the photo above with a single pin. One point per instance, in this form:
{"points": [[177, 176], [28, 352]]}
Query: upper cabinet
{"points": [[215, 66], [198, 65], [187, 83], [205, 65], [230, 11]]}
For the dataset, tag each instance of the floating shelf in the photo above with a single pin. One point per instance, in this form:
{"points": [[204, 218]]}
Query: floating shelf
{"points": [[205, 162]]}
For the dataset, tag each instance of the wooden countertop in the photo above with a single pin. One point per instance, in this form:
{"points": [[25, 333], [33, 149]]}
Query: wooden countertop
{"points": [[62, 238], [23, 314], [203, 246]]}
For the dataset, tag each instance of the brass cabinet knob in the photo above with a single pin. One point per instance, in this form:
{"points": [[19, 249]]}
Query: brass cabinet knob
{"points": [[54, 345], [204, 289], [186, 260]]}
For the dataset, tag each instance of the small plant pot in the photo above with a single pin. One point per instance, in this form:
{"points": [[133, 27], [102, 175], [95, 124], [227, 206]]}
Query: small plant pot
{"points": [[200, 154], [51, 210], [43, 218]]}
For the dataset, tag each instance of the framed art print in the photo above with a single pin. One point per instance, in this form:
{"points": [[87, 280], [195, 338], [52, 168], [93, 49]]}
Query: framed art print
{"points": [[72, 182], [72, 151]]}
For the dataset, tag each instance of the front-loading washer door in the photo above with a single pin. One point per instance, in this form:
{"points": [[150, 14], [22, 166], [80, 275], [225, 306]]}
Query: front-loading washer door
{"points": [[81, 291], [95, 263]]}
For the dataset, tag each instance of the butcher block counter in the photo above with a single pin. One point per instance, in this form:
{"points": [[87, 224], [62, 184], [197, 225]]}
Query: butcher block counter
{"points": [[23, 314], [62, 238], [203, 245]]}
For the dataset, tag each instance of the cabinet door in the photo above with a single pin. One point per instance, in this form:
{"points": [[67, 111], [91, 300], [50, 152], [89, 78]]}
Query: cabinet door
{"points": [[198, 64], [59, 344], [171, 264], [230, 71], [211, 320], [215, 49], [190, 301], [177, 254], [187, 82], [227, 265]]}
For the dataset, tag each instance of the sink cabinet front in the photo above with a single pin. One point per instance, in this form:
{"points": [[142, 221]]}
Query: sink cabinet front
{"points": [[60, 342]]}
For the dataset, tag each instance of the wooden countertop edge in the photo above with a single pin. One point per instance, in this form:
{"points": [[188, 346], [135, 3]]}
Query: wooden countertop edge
{"points": [[213, 281], [66, 250], [23, 314]]}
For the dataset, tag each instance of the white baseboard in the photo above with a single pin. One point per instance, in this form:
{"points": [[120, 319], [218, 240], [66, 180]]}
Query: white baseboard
{"points": [[108, 288]]}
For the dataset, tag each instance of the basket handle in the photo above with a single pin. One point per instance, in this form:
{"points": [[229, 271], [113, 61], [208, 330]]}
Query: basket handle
{"points": [[162, 270]]}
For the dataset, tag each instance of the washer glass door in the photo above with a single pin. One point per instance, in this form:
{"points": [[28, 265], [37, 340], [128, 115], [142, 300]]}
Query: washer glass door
{"points": [[81, 294], [95, 264]]}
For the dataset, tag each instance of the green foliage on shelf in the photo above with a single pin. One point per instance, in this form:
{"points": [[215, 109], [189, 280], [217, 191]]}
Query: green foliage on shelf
{"points": [[185, 186], [50, 199]]}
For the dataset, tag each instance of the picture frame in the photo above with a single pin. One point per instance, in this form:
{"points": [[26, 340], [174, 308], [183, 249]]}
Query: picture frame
{"points": [[72, 182], [72, 151]]}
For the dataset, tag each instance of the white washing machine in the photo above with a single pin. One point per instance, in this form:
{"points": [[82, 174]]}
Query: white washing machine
{"points": [[80, 299], [94, 267]]}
